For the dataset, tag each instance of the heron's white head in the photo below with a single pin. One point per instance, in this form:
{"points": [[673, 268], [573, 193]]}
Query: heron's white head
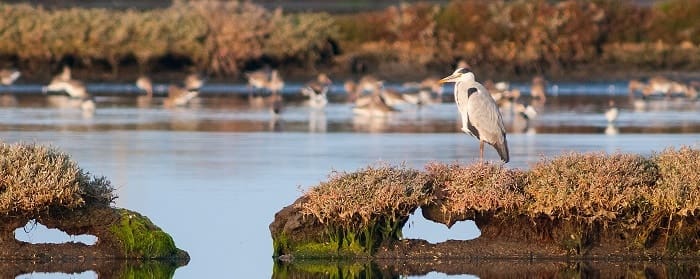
{"points": [[461, 74]]}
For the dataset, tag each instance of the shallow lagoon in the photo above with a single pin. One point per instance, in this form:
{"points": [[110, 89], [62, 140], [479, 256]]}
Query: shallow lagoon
{"points": [[214, 175]]}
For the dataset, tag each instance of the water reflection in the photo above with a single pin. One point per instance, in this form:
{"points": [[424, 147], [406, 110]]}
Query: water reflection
{"points": [[457, 268], [88, 269], [564, 114]]}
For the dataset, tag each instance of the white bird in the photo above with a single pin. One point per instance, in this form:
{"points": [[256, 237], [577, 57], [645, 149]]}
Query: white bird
{"points": [[181, 96], [612, 112], [76, 91], [479, 112], [317, 91], [145, 84], [7, 76]]}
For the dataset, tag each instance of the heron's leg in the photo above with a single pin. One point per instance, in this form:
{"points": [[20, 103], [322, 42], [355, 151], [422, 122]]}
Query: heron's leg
{"points": [[481, 150]]}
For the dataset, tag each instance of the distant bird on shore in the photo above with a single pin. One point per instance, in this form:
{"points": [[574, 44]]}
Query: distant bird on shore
{"points": [[612, 112], [369, 84], [257, 80], [181, 96], [76, 90], [193, 82], [144, 84], [538, 88], [276, 83], [64, 75], [373, 106], [317, 91], [479, 112], [264, 80], [8, 76]]}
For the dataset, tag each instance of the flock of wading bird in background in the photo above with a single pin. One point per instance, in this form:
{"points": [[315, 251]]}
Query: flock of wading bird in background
{"points": [[370, 96]]}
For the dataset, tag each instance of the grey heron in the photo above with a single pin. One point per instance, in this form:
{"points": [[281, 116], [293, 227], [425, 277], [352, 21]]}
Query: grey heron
{"points": [[480, 115]]}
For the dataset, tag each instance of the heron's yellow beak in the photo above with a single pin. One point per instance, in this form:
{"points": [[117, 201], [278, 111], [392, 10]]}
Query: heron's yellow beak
{"points": [[450, 78]]}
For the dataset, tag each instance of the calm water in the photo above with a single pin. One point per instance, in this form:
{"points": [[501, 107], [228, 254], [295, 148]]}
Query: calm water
{"points": [[214, 175]]}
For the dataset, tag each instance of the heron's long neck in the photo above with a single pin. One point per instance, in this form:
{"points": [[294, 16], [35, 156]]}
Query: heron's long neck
{"points": [[464, 85]]}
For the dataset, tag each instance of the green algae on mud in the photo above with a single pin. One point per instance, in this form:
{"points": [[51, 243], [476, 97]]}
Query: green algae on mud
{"points": [[576, 206], [141, 239]]}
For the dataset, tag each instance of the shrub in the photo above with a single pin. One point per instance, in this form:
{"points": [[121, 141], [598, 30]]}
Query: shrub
{"points": [[357, 200], [590, 186], [301, 38], [482, 187], [36, 178], [677, 191]]}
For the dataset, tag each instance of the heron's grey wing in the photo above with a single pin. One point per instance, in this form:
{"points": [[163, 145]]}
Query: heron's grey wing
{"points": [[485, 116]]}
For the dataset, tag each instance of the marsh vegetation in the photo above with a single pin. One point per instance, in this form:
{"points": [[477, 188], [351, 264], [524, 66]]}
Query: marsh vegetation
{"points": [[502, 38], [569, 205]]}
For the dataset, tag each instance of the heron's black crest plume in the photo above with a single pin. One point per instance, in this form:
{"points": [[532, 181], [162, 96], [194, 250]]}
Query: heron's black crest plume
{"points": [[464, 70]]}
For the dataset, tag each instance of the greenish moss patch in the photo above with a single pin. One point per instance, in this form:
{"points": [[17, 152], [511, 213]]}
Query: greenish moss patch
{"points": [[140, 238]]}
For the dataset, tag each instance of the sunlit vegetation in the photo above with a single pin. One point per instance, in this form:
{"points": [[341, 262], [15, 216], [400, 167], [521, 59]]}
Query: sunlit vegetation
{"points": [[647, 199], [35, 178], [225, 38], [367, 206]]}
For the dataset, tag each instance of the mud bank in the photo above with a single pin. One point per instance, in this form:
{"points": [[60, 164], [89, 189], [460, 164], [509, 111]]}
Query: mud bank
{"points": [[121, 234], [573, 207]]}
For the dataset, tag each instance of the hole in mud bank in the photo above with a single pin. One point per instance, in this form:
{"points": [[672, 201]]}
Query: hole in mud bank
{"points": [[82, 275], [417, 227], [36, 233], [435, 274]]}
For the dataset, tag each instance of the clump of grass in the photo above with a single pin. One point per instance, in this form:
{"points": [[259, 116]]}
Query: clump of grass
{"points": [[355, 200], [482, 187], [35, 178], [366, 207], [590, 186], [677, 191]]}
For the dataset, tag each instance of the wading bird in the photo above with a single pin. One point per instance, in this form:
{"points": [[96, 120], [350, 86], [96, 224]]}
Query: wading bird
{"points": [[76, 91], [479, 113], [181, 96], [317, 91], [612, 112], [144, 84], [8, 76]]}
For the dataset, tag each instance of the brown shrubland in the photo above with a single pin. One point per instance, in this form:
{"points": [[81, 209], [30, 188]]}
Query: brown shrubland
{"points": [[677, 191], [497, 37], [357, 200], [35, 178], [478, 187], [623, 190]]}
